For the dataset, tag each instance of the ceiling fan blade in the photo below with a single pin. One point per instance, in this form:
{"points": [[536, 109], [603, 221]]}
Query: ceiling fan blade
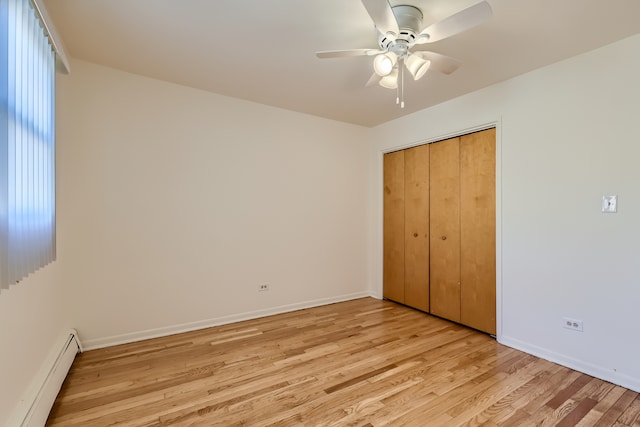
{"points": [[373, 80], [382, 15], [348, 52], [456, 23], [442, 63]]}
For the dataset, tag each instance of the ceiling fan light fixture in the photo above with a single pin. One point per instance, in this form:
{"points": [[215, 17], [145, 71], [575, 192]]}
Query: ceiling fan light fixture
{"points": [[417, 65], [383, 63], [390, 81], [398, 31]]}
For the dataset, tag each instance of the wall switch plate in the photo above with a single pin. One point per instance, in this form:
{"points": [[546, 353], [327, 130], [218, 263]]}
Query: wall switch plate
{"points": [[609, 204]]}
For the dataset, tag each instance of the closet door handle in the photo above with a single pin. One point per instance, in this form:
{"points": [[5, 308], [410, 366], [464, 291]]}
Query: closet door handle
{"points": [[444, 237], [415, 234]]}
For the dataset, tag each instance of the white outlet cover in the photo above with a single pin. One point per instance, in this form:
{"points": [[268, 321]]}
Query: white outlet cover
{"points": [[609, 204], [572, 324]]}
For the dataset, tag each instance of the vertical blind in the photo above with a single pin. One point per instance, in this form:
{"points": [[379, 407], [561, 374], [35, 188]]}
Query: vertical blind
{"points": [[27, 143]]}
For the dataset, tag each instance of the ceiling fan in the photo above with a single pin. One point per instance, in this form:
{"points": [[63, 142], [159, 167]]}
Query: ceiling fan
{"points": [[399, 30]]}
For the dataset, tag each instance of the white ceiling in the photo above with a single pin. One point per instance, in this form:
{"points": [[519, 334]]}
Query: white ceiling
{"points": [[264, 51]]}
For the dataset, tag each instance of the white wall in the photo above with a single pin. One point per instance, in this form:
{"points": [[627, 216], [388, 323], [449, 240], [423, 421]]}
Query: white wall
{"points": [[32, 321], [178, 203], [568, 136]]}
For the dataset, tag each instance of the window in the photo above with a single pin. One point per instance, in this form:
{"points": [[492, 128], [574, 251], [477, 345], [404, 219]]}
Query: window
{"points": [[27, 142]]}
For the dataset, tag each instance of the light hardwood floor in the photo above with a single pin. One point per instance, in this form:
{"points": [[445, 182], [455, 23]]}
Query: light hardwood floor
{"points": [[363, 363]]}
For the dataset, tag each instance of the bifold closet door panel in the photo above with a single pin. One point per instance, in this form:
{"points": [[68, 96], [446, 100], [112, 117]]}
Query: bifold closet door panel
{"points": [[416, 235], [444, 194], [478, 231], [393, 264]]}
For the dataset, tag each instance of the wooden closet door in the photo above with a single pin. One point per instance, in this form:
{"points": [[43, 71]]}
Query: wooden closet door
{"points": [[444, 194], [478, 230], [393, 264], [416, 235]]}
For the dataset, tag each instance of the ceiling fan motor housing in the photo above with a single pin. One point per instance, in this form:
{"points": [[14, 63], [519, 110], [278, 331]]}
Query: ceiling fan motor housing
{"points": [[409, 20]]}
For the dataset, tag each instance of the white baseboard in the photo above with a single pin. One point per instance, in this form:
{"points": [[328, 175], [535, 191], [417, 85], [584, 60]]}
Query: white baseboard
{"points": [[96, 343], [609, 375], [34, 407]]}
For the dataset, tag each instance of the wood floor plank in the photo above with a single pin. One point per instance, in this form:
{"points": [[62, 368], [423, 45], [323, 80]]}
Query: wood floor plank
{"points": [[597, 413], [617, 409], [578, 413], [548, 390], [632, 414], [569, 391], [511, 405], [364, 362], [473, 408]]}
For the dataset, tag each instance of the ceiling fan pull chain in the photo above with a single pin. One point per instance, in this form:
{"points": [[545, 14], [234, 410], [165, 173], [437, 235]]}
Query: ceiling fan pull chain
{"points": [[397, 92], [402, 84]]}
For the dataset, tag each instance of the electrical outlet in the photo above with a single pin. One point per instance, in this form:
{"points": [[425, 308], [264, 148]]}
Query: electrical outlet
{"points": [[573, 324], [263, 287]]}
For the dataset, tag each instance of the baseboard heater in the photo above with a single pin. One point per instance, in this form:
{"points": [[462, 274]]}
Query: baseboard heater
{"points": [[38, 403]]}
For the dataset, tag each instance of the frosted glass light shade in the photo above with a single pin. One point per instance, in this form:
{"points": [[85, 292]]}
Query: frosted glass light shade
{"points": [[390, 81], [383, 64], [417, 65]]}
